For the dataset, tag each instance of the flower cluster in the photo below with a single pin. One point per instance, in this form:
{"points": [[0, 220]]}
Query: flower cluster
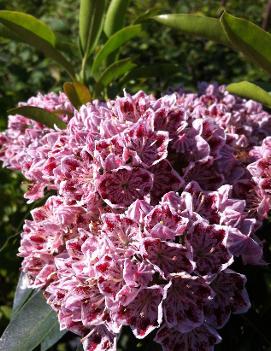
{"points": [[154, 200], [260, 169], [24, 146]]}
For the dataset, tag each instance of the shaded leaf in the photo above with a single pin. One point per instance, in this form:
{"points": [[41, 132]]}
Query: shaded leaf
{"points": [[21, 294], [147, 14], [65, 45], [77, 93], [5, 311], [202, 26], [90, 24], [115, 15], [30, 325], [159, 70], [52, 337], [250, 91], [115, 42], [8, 34], [45, 117], [35, 33], [113, 72], [251, 40]]}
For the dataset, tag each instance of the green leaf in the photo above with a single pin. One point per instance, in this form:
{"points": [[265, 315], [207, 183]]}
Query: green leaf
{"points": [[113, 43], [202, 26], [250, 91], [77, 93], [8, 34], [65, 45], [113, 72], [21, 294], [159, 70], [29, 24], [148, 14], [52, 337], [115, 15], [251, 40], [30, 325], [45, 117], [5, 311], [90, 24], [35, 33]]}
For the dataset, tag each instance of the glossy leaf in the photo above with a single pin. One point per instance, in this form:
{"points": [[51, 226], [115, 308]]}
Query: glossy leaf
{"points": [[115, 15], [30, 325], [202, 26], [35, 33], [22, 294], [250, 91], [115, 42], [113, 72], [77, 93], [28, 23], [251, 40], [90, 24], [52, 337], [45, 117]]}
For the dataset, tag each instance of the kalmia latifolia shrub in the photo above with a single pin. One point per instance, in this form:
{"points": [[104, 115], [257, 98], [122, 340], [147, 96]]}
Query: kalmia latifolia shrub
{"points": [[154, 200]]}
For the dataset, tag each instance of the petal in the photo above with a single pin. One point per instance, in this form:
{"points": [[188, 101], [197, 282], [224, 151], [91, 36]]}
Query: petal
{"points": [[184, 304], [202, 338]]}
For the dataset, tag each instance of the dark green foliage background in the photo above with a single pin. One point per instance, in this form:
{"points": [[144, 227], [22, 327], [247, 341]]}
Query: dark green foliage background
{"points": [[24, 72]]}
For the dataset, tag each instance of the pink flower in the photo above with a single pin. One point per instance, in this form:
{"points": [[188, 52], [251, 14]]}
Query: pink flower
{"points": [[100, 339], [184, 305], [162, 223], [201, 338], [144, 313], [109, 273], [209, 248], [154, 200], [123, 186], [230, 297], [86, 303], [122, 232], [169, 257], [145, 146], [165, 179]]}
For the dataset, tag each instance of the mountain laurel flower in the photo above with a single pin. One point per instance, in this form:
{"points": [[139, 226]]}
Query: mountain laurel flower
{"points": [[154, 198]]}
